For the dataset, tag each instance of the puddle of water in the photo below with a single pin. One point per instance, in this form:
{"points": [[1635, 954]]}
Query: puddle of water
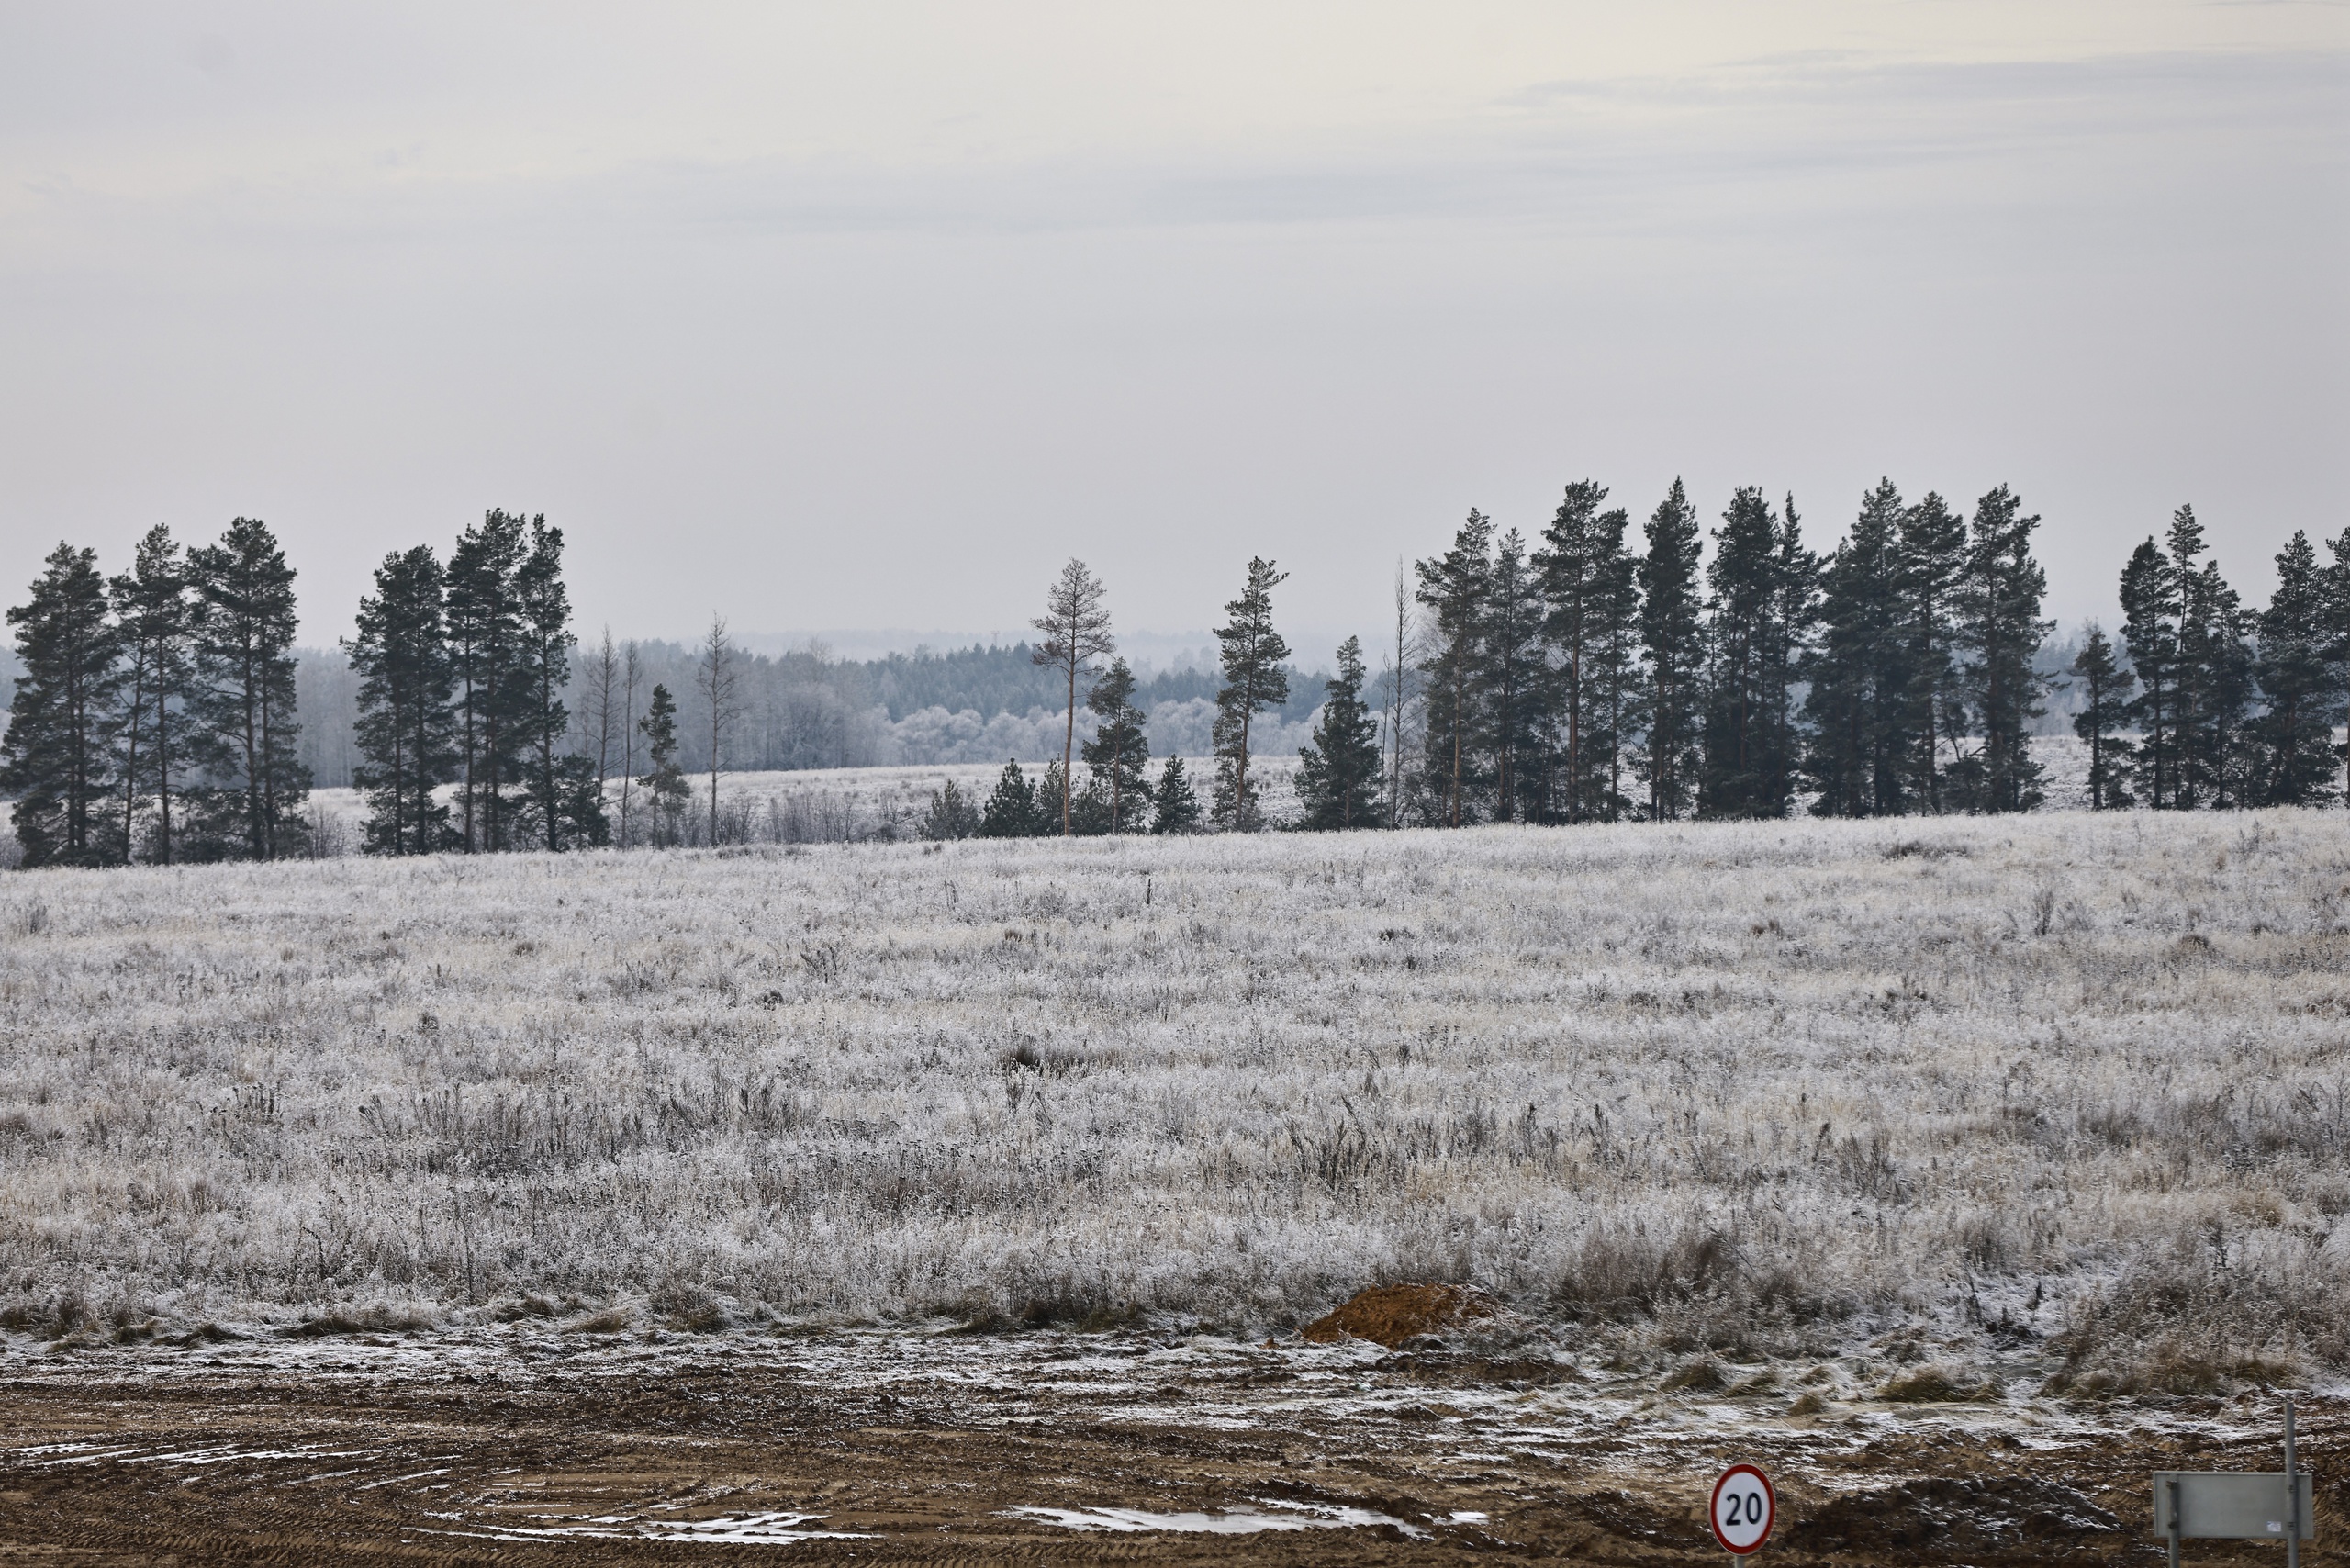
{"points": [[1292, 1517]]}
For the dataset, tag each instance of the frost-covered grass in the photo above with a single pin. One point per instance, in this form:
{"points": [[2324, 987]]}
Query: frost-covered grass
{"points": [[828, 805], [1712, 1086], [843, 805]]}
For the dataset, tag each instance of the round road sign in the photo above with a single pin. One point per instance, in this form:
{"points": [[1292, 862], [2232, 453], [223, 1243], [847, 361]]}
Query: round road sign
{"points": [[1743, 1508]]}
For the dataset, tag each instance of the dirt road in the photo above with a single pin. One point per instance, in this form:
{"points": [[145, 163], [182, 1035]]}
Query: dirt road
{"points": [[531, 1447]]}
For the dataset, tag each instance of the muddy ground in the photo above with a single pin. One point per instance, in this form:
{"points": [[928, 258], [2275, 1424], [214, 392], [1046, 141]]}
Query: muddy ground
{"points": [[527, 1445]]}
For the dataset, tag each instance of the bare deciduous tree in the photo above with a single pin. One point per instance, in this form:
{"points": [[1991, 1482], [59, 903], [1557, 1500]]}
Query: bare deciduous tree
{"points": [[715, 677], [632, 675], [1398, 693], [1077, 631], [602, 676]]}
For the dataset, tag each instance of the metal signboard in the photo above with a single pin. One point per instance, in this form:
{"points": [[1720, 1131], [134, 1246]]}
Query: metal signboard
{"points": [[2196, 1505], [2212, 1507]]}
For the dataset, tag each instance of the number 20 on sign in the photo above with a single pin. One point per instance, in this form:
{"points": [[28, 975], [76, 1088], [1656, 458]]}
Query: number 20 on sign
{"points": [[1744, 1507]]}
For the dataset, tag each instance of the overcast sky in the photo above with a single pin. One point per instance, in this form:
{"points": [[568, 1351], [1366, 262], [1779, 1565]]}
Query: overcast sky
{"points": [[870, 315]]}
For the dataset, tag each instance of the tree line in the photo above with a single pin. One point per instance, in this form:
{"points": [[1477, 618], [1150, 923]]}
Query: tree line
{"points": [[1579, 678], [154, 715], [1586, 677]]}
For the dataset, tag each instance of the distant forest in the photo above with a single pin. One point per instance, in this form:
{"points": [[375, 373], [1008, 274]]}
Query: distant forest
{"points": [[164, 715], [805, 709]]}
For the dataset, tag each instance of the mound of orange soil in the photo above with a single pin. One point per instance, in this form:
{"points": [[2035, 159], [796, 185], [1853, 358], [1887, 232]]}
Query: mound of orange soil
{"points": [[1388, 1314]]}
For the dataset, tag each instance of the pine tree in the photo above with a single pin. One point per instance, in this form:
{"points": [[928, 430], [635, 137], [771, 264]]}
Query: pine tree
{"points": [[1999, 631], [1589, 594], [1175, 807], [1673, 646], [2150, 636], [1761, 608], [2295, 734], [486, 636], [1014, 810], [2336, 641], [553, 795], [1056, 802], [666, 783], [2212, 674], [1077, 631], [157, 619], [1119, 749], [1337, 775], [405, 731], [1254, 677], [1614, 682], [2336, 630], [1516, 680], [2230, 758], [1089, 813], [2190, 669], [2105, 689], [244, 693], [1934, 558], [1860, 690], [57, 755], [1457, 588], [1786, 652], [951, 814]]}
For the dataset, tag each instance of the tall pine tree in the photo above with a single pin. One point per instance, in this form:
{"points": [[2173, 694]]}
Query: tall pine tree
{"points": [[1254, 677], [405, 731], [1591, 603], [1672, 647], [58, 760], [1934, 555], [244, 694], [2149, 636], [1761, 609], [2336, 638], [2295, 732], [1859, 698], [486, 636], [157, 619], [1516, 677], [1077, 631], [2104, 707], [1457, 588], [2213, 673], [562, 798], [1999, 632]]}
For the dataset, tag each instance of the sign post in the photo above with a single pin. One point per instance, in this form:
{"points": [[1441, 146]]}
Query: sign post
{"points": [[1743, 1508], [2192, 1505]]}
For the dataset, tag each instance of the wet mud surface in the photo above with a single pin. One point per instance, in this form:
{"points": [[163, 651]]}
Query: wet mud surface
{"points": [[1046, 1448]]}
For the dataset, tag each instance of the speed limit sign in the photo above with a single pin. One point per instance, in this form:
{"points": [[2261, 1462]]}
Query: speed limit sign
{"points": [[1744, 1507]]}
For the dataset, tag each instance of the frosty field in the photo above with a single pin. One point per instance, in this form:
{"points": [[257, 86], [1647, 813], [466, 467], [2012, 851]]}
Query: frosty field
{"points": [[1999, 1115]]}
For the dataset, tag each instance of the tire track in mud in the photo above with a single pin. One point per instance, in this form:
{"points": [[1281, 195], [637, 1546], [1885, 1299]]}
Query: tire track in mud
{"points": [[874, 1450]]}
